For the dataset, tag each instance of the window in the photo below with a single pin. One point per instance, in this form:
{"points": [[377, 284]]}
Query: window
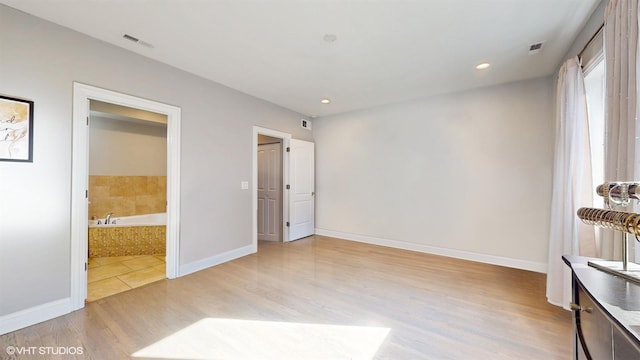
{"points": [[594, 82]]}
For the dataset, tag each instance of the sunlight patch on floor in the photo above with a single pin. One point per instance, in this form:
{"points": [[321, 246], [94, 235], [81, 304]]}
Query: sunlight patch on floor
{"points": [[248, 339]]}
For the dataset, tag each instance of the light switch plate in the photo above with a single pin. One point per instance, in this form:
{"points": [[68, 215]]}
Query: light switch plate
{"points": [[244, 185]]}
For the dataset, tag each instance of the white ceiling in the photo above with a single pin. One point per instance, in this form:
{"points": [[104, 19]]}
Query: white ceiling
{"points": [[386, 51]]}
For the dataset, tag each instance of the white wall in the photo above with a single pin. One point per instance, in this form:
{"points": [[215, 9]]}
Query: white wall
{"points": [[466, 174], [124, 148], [40, 61]]}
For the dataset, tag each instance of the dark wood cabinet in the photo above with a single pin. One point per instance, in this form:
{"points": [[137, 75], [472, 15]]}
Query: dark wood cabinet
{"points": [[593, 329], [606, 310]]}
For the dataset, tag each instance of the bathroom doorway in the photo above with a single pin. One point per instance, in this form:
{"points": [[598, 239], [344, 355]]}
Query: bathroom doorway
{"points": [[83, 96], [127, 198]]}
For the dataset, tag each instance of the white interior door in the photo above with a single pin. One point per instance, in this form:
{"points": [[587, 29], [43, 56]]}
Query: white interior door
{"points": [[302, 189], [269, 192]]}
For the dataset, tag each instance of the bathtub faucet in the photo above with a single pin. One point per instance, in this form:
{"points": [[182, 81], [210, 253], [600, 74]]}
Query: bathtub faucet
{"points": [[108, 218]]}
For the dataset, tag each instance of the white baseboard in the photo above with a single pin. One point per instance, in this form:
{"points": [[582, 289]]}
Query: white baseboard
{"points": [[458, 254], [34, 315], [216, 260]]}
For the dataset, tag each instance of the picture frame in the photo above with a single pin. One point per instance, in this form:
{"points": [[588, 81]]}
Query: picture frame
{"points": [[16, 129]]}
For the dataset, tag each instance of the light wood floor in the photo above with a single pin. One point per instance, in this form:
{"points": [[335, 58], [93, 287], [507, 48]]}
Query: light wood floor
{"points": [[429, 307], [108, 276]]}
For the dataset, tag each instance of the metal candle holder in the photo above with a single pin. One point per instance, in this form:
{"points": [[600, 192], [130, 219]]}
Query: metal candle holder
{"points": [[616, 194]]}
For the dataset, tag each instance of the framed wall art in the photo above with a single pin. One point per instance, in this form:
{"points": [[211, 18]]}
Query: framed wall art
{"points": [[16, 129]]}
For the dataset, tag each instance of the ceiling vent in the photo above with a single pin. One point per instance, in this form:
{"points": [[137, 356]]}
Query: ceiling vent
{"points": [[137, 41], [536, 48]]}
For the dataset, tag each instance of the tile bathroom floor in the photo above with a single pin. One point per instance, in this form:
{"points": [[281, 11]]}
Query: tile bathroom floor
{"points": [[111, 275]]}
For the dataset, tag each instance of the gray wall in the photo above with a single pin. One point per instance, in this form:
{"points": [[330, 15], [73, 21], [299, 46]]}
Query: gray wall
{"points": [[467, 172], [125, 148], [40, 61]]}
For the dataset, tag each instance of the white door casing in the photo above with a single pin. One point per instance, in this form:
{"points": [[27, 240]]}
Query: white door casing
{"points": [[254, 181], [269, 192], [302, 189], [80, 170]]}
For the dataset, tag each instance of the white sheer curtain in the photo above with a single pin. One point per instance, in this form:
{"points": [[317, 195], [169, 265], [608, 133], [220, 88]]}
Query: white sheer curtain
{"points": [[621, 100], [572, 184]]}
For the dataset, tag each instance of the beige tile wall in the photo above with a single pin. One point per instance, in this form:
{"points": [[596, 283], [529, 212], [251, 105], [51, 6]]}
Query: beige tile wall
{"points": [[127, 195]]}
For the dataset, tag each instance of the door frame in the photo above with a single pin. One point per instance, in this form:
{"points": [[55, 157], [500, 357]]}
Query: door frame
{"points": [[254, 182], [82, 93]]}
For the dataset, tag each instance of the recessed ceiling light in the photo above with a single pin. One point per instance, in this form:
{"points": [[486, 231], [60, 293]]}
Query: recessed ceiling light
{"points": [[482, 66], [325, 101]]}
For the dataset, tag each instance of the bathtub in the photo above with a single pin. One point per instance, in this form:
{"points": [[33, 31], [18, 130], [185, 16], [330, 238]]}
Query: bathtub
{"points": [[159, 219], [128, 235]]}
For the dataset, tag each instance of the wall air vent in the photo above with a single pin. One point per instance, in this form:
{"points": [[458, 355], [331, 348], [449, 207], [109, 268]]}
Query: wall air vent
{"points": [[130, 38], [536, 48], [136, 40]]}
